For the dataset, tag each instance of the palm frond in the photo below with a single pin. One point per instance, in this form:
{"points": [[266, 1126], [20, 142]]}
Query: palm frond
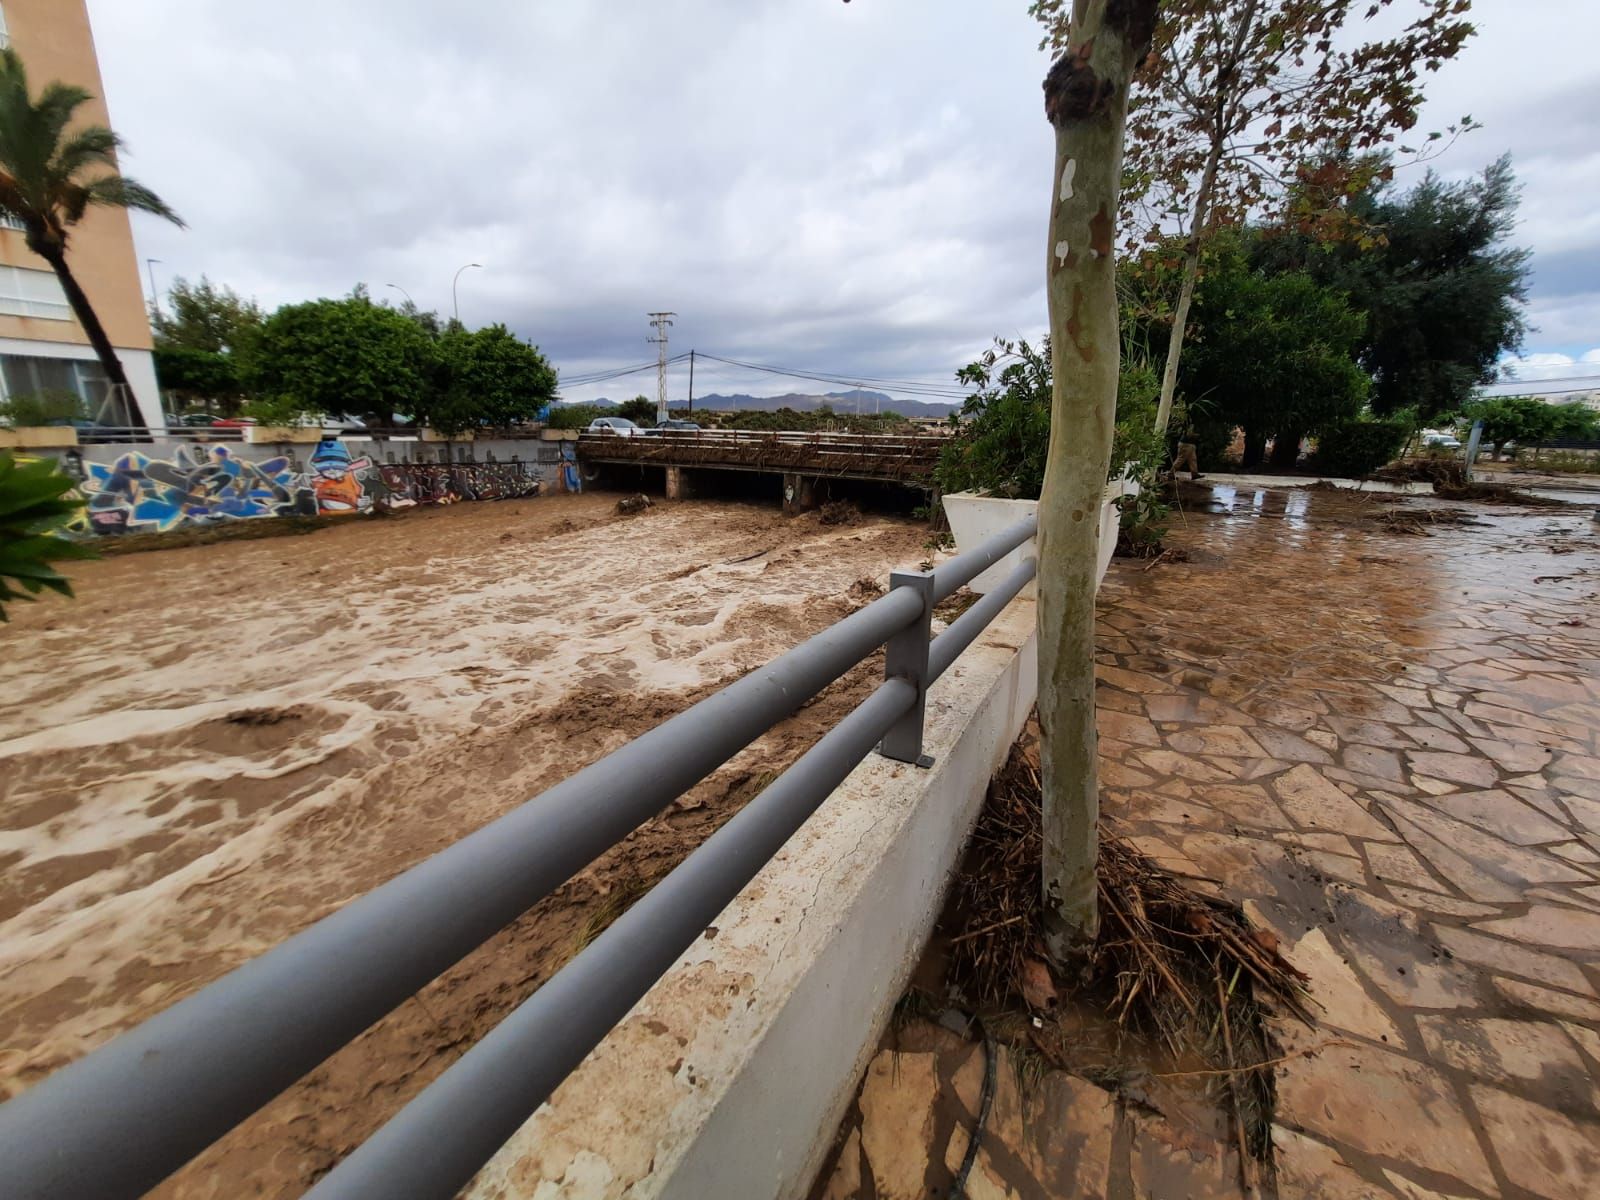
{"points": [[93, 145], [118, 191], [45, 161]]}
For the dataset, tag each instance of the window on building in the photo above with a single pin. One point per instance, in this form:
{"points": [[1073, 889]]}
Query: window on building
{"points": [[25, 292], [30, 375], [7, 221]]}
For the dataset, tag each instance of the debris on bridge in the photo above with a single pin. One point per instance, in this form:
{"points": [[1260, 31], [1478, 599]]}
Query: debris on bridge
{"points": [[909, 458]]}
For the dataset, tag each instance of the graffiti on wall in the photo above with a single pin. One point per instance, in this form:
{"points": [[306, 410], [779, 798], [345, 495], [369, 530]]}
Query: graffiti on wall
{"points": [[198, 486], [448, 483], [204, 484], [336, 479]]}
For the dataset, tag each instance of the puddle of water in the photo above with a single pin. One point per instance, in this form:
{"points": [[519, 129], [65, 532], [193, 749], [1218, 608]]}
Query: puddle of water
{"points": [[1591, 499]]}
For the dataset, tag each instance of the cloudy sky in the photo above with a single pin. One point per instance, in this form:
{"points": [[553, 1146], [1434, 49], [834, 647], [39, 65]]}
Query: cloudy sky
{"points": [[859, 189]]}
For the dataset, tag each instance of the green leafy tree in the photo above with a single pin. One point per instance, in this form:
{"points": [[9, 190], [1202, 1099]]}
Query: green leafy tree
{"points": [[491, 378], [336, 357], [427, 320], [199, 339], [51, 174], [1528, 419], [207, 377], [1236, 94], [1574, 421], [641, 410], [574, 416], [1441, 287], [205, 316], [1274, 353], [33, 506]]}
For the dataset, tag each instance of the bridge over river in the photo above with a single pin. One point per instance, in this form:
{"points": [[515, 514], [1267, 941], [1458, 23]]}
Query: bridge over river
{"points": [[802, 459]]}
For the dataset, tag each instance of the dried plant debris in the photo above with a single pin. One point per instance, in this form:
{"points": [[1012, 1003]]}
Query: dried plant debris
{"points": [[1421, 522], [1186, 969], [839, 512]]}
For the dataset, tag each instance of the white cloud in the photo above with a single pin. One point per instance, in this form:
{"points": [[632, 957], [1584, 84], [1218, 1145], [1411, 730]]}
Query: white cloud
{"points": [[861, 188]]}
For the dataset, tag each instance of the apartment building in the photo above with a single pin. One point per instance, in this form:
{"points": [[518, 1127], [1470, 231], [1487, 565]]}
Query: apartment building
{"points": [[42, 346]]}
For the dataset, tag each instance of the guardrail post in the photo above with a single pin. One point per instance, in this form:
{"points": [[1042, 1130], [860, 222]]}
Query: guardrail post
{"points": [[907, 658]]}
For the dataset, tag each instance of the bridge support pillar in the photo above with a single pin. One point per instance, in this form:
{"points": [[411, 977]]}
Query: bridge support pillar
{"points": [[799, 493], [680, 485]]}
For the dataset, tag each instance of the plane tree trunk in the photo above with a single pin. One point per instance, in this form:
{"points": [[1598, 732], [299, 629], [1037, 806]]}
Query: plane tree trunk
{"points": [[1086, 100]]}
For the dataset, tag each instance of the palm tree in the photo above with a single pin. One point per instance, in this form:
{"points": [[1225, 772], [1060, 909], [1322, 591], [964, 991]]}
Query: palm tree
{"points": [[50, 176]]}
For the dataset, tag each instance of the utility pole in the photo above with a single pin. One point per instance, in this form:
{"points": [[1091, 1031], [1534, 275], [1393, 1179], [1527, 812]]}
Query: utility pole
{"points": [[691, 381], [155, 299], [660, 322]]}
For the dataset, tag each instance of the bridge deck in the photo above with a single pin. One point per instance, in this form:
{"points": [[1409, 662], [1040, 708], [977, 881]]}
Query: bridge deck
{"points": [[908, 459]]}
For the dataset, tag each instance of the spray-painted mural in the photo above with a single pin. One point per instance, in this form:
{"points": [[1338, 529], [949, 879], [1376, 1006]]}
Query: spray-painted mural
{"points": [[336, 478], [448, 483], [204, 484], [199, 485]]}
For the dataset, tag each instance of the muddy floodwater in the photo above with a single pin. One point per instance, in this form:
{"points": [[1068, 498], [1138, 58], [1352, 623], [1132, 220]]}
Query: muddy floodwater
{"points": [[1386, 747], [212, 747]]}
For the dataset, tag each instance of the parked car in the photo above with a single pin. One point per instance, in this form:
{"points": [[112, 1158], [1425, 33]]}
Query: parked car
{"points": [[620, 426], [1434, 440], [674, 425]]}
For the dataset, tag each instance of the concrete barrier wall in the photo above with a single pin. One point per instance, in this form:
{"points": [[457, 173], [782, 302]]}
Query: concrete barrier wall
{"points": [[729, 1078]]}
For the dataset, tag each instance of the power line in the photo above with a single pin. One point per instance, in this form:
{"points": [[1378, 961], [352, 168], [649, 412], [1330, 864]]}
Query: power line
{"points": [[902, 387], [851, 380], [615, 373], [944, 392]]}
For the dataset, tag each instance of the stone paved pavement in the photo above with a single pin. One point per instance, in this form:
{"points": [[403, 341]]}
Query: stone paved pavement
{"points": [[1389, 749]]}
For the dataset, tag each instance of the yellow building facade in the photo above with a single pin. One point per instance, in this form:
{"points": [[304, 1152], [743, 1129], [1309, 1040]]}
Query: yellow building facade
{"points": [[42, 346]]}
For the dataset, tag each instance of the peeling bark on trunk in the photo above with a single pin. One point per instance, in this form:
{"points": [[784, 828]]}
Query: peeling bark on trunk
{"points": [[1086, 99]]}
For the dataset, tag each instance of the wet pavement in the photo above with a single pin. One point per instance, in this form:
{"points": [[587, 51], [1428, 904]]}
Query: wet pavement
{"points": [[1387, 748]]}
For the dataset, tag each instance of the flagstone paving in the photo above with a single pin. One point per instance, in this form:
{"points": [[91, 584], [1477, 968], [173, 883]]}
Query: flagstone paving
{"points": [[1388, 749]]}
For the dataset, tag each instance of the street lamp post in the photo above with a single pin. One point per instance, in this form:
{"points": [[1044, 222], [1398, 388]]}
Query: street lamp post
{"points": [[155, 300], [455, 304], [404, 293]]}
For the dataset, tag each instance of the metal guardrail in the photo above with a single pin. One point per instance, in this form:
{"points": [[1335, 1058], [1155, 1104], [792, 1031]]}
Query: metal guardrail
{"points": [[124, 1117]]}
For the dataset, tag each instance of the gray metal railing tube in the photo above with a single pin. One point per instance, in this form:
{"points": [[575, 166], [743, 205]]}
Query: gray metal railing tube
{"points": [[959, 571], [964, 630], [443, 1137], [116, 1122]]}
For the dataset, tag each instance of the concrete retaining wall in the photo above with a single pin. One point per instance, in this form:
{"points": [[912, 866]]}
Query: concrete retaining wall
{"points": [[729, 1078]]}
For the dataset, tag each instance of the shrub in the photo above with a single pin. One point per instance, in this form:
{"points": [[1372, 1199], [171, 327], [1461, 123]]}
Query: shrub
{"points": [[49, 407], [1004, 441], [33, 505], [575, 416], [1355, 449]]}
